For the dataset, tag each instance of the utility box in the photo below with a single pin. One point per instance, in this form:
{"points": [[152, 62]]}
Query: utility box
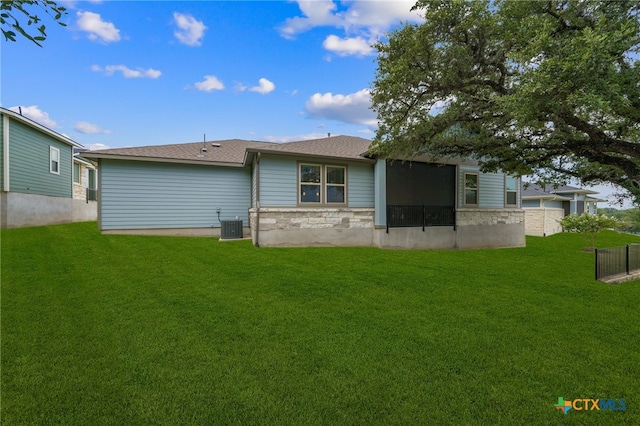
{"points": [[230, 229]]}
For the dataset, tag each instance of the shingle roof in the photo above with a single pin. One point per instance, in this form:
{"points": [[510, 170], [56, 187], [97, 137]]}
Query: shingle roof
{"points": [[343, 147], [532, 190], [232, 152]]}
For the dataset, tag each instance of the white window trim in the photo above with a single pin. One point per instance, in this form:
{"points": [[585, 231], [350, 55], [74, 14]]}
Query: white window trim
{"points": [[51, 151], [323, 185], [477, 189]]}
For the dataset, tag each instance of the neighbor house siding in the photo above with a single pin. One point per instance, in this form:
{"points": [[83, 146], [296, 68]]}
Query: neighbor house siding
{"points": [[29, 167], [491, 188], [553, 204], [278, 181], [139, 195], [531, 203], [360, 185]]}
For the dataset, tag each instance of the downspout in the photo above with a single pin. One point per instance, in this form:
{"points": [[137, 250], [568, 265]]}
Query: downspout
{"points": [[544, 219], [99, 190], [257, 242], [5, 147]]}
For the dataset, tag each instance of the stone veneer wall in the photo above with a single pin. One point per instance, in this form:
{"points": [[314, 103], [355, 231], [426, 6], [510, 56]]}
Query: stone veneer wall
{"points": [[467, 217], [543, 222], [313, 218], [322, 226]]}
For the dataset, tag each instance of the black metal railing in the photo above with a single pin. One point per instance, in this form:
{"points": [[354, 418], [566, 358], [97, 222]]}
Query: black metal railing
{"points": [[399, 216], [612, 261], [92, 195]]}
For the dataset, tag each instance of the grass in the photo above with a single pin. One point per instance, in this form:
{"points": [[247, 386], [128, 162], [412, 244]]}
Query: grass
{"points": [[108, 329]]}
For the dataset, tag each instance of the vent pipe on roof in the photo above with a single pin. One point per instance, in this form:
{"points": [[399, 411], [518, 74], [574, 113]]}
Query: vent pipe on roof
{"points": [[204, 141], [328, 135]]}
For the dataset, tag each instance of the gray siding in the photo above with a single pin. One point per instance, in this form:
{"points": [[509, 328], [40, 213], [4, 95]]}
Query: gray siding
{"points": [[360, 185], [1, 152], [491, 188], [29, 163], [553, 204], [279, 181], [139, 195], [531, 203], [254, 180]]}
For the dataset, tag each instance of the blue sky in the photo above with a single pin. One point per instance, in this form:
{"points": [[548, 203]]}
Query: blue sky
{"points": [[135, 73], [124, 73]]}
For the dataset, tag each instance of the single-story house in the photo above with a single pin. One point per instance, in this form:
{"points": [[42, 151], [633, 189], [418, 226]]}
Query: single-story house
{"points": [[327, 191], [544, 206], [37, 168]]}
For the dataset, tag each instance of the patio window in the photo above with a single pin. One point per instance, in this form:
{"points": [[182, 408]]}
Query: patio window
{"points": [[511, 191], [322, 184], [54, 160], [76, 173], [471, 189]]}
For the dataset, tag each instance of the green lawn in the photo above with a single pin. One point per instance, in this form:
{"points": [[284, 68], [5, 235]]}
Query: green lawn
{"points": [[108, 329]]}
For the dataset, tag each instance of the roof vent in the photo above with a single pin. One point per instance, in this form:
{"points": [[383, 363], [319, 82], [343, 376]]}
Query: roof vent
{"points": [[215, 145]]}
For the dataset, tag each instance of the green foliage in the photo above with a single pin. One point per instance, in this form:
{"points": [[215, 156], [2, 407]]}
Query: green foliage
{"points": [[115, 329], [12, 12], [588, 224], [547, 88], [629, 219]]}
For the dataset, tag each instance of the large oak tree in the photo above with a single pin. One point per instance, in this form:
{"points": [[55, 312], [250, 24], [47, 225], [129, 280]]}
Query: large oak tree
{"points": [[543, 88], [23, 18]]}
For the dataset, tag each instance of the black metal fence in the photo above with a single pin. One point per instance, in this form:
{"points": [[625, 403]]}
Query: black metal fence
{"points": [[624, 260], [420, 216]]}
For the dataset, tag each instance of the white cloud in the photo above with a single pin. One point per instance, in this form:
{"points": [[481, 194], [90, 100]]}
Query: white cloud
{"points": [[190, 30], [357, 46], [264, 86], [127, 72], [353, 108], [36, 114], [98, 29], [365, 17], [316, 13], [209, 84], [95, 146], [89, 128]]}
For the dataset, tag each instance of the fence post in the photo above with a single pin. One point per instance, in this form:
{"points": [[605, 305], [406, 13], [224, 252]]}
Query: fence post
{"points": [[596, 252], [627, 259]]}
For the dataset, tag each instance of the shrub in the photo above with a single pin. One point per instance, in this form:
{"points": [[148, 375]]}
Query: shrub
{"points": [[588, 224]]}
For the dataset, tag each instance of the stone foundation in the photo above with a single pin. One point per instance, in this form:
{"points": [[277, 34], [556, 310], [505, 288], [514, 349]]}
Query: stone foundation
{"points": [[466, 217], [326, 226], [299, 227]]}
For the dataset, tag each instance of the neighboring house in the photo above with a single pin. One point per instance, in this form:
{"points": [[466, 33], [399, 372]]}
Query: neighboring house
{"points": [[326, 191], [544, 206], [85, 186], [36, 175]]}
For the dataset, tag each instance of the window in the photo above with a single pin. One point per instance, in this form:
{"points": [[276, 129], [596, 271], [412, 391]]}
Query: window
{"points": [[322, 184], [335, 184], [76, 173], [54, 160], [511, 191], [471, 189], [310, 184]]}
